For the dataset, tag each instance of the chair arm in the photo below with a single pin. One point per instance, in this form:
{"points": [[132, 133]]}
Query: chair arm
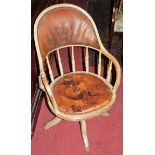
{"points": [[43, 83], [118, 74], [117, 68]]}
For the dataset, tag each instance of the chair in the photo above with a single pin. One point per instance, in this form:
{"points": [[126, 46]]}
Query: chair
{"points": [[73, 95]]}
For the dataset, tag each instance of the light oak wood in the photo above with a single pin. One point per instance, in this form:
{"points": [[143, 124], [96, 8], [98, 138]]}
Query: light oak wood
{"points": [[84, 134], [73, 59], [87, 60], [49, 69], [105, 113], [99, 64], [109, 71], [52, 122], [60, 63]]}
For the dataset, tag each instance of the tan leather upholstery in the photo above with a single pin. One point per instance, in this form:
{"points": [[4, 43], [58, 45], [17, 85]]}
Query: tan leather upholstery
{"points": [[81, 92], [65, 26]]}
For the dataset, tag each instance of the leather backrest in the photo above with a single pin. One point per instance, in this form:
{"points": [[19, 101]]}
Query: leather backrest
{"points": [[65, 26]]}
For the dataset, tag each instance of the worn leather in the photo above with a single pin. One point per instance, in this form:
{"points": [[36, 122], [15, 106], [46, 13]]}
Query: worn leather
{"points": [[65, 26], [79, 92]]}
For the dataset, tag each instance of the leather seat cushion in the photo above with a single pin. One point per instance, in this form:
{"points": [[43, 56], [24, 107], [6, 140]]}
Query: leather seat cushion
{"points": [[80, 92]]}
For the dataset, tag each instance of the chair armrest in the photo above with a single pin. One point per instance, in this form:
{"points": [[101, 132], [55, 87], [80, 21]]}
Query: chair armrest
{"points": [[43, 84], [117, 68], [118, 75]]}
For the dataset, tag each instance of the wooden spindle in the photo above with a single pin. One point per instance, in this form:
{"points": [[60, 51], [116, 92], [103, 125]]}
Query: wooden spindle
{"points": [[99, 64], [60, 63], [73, 60], [87, 60], [84, 134], [109, 71], [49, 69]]}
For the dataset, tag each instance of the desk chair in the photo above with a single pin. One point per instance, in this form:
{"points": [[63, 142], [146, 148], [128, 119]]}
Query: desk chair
{"points": [[73, 95]]}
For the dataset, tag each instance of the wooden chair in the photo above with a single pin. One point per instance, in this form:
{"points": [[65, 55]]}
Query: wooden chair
{"points": [[74, 95]]}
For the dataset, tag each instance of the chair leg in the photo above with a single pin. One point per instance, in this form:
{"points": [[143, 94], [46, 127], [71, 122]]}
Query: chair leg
{"points": [[105, 113], [84, 134], [52, 122]]}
